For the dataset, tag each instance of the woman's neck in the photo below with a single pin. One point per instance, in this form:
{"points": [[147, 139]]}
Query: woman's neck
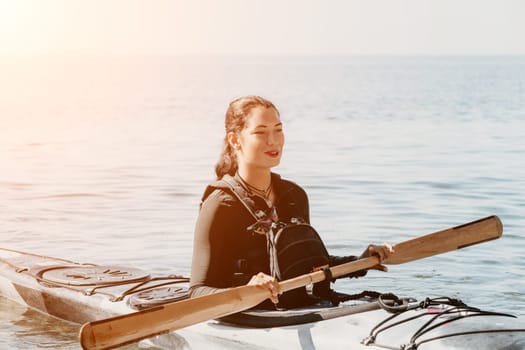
{"points": [[260, 179]]}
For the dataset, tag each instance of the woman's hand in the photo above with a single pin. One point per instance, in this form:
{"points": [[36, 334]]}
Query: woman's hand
{"points": [[265, 281], [381, 251]]}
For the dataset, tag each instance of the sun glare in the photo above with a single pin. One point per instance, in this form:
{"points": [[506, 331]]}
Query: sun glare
{"points": [[9, 17], [15, 23]]}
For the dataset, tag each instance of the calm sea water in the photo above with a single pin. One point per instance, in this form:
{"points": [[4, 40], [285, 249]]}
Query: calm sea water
{"points": [[104, 159]]}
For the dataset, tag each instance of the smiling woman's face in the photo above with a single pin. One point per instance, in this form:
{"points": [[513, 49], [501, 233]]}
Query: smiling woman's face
{"points": [[260, 143]]}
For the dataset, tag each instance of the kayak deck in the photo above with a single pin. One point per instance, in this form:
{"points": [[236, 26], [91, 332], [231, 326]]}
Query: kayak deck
{"points": [[77, 292]]}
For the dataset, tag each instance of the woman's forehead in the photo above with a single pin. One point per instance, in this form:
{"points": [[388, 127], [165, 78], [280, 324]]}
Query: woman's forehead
{"points": [[262, 116]]}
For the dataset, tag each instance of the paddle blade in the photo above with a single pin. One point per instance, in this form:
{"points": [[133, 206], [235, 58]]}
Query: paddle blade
{"points": [[454, 238]]}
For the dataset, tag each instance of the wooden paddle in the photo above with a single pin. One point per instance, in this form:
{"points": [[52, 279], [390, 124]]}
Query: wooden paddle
{"points": [[120, 330]]}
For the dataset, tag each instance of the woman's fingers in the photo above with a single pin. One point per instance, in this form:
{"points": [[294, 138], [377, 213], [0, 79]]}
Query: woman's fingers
{"points": [[265, 281], [381, 251]]}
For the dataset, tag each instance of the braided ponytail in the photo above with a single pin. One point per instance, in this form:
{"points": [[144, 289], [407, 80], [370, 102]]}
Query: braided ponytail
{"points": [[235, 120]]}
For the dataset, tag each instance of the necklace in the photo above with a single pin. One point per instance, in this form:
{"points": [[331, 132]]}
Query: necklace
{"points": [[265, 193]]}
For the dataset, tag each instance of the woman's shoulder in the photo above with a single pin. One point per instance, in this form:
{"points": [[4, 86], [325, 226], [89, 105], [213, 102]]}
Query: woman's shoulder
{"points": [[286, 185], [216, 193]]}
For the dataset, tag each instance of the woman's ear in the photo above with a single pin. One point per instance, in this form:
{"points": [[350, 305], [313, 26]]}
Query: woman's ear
{"points": [[233, 140]]}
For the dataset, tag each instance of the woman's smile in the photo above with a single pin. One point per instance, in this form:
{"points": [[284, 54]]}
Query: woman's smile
{"points": [[273, 154]]}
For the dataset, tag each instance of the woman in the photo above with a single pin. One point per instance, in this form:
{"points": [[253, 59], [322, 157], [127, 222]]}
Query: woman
{"points": [[225, 253]]}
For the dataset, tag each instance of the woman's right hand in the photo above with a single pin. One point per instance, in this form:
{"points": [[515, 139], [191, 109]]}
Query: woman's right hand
{"points": [[265, 281]]}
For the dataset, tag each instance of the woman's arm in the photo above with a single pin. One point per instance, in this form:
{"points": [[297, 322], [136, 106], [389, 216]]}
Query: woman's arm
{"points": [[210, 268]]}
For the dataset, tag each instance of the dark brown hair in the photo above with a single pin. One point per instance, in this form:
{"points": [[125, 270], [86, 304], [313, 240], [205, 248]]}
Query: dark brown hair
{"points": [[235, 120]]}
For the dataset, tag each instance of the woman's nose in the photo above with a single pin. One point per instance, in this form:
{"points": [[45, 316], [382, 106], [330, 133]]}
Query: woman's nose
{"points": [[272, 138]]}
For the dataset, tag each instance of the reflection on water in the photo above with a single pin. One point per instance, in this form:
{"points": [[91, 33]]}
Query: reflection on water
{"points": [[26, 328], [32, 329]]}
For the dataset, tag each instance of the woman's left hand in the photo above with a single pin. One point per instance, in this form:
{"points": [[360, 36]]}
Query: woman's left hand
{"points": [[381, 251]]}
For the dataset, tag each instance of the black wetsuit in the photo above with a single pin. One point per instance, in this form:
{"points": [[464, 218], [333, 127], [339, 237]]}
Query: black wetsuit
{"points": [[225, 253]]}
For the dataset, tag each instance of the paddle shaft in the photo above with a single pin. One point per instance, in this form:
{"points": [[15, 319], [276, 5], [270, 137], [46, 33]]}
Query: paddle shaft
{"points": [[124, 329]]}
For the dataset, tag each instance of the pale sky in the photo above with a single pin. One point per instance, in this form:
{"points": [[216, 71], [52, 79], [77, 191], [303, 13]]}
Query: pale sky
{"points": [[282, 27]]}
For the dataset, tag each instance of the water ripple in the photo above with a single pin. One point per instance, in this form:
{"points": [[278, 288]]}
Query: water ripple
{"points": [[63, 195]]}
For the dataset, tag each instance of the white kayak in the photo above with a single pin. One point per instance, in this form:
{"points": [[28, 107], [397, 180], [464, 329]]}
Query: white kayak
{"points": [[82, 293]]}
